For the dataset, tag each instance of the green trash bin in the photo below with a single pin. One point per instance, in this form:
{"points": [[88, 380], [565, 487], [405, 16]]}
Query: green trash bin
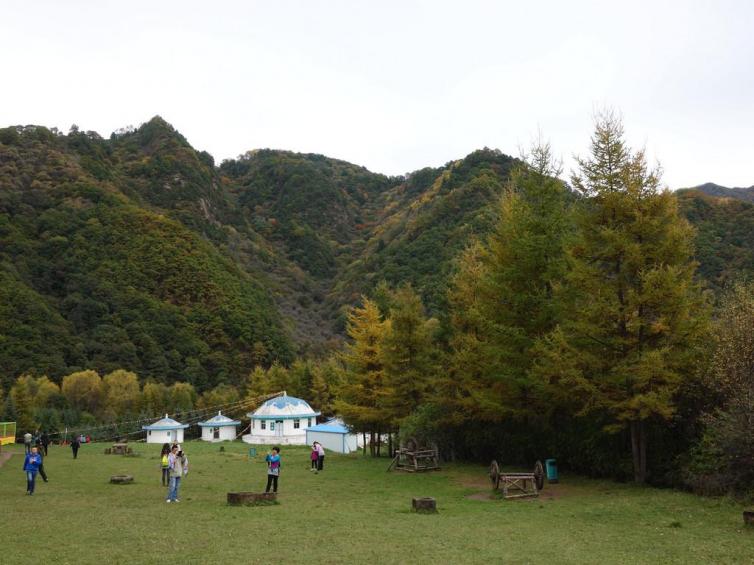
{"points": [[552, 470], [252, 452]]}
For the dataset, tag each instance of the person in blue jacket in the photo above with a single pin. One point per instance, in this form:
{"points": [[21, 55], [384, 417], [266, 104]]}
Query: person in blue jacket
{"points": [[273, 469], [31, 466]]}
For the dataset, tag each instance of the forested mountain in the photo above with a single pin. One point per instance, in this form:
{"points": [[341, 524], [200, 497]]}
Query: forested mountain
{"points": [[138, 252], [712, 189]]}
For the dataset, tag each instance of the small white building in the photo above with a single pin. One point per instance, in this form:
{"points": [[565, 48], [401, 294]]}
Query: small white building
{"points": [[166, 430], [281, 420], [334, 436], [219, 428]]}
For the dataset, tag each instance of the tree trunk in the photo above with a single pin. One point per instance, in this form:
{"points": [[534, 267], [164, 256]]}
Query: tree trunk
{"points": [[390, 443], [364, 446], [371, 443], [639, 451], [379, 443]]}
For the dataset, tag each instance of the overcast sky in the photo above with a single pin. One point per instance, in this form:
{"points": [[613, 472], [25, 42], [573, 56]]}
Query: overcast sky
{"points": [[394, 86]]}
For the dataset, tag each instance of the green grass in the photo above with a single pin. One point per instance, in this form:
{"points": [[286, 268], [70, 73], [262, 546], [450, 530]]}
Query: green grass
{"points": [[353, 512]]}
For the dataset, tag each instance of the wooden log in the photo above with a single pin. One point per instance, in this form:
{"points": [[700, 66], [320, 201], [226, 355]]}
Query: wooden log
{"points": [[424, 504], [749, 518], [121, 479], [252, 498]]}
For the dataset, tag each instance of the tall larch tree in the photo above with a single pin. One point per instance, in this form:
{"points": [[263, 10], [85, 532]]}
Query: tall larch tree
{"points": [[634, 317], [361, 395], [502, 296], [408, 354]]}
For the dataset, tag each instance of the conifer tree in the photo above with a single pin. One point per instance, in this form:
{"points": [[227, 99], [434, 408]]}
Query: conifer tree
{"points": [[634, 316], [408, 355], [502, 296], [361, 397]]}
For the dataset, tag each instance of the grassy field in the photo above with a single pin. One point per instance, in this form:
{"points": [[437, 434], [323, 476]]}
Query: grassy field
{"points": [[353, 512]]}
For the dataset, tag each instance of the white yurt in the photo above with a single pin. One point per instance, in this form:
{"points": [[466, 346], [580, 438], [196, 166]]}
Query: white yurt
{"points": [[166, 430], [281, 420], [219, 428], [334, 436]]}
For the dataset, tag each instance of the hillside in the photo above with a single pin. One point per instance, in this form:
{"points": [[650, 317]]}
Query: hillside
{"points": [[712, 189], [138, 251], [92, 278]]}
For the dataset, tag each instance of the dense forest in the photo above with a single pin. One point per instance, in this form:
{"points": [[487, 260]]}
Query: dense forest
{"points": [[484, 305]]}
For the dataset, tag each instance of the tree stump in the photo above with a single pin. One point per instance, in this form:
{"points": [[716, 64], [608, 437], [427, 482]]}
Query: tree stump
{"points": [[749, 518], [121, 479], [424, 504], [252, 498], [108, 451]]}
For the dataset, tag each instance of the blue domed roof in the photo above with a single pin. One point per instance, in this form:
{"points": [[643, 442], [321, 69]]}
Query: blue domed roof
{"points": [[165, 424], [219, 421], [284, 406]]}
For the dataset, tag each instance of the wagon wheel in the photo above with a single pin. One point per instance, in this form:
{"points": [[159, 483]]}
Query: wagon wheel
{"points": [[539, 475], [412, 444], [494, 474]]}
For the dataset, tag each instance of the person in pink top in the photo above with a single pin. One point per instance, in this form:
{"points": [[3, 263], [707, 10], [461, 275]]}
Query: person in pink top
{"points": [[320, 456], [314, 456]]}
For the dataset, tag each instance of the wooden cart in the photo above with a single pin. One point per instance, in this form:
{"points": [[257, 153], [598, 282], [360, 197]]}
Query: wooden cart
{"points": [[414, 458], [517, 485]]}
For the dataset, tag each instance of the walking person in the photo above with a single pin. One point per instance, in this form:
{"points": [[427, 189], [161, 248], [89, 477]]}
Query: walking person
{"points": [[32, 461], [45, 441], [164, 464], [321, 456], [27, 442], [314, 456], [41, 461], [273, 469], [75, 444], [176, 463]]}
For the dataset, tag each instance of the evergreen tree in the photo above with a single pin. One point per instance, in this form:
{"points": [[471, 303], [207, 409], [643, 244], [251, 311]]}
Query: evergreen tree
{"points": [[408, 355], [502, 296], [361, 397], [633, 315]]}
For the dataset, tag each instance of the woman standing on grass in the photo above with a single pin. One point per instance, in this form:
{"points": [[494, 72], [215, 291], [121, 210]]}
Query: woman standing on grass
{"points": [[164, 454], [31, 466], [176, 464], [273, 469], [320, 456], [314, 456]]}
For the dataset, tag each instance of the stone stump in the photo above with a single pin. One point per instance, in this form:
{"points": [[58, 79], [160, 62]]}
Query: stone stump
{"points": [[121, 479], [749, 518], [252, 498], [424, 504]]}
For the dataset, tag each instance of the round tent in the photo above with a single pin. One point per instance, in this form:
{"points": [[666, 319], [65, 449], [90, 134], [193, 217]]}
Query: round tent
{"points": [[165, 430], [219, 428], [281, 420]]}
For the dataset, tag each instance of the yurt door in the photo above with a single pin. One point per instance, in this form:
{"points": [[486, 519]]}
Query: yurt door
{"points": [[279, 427], [216, 433]]}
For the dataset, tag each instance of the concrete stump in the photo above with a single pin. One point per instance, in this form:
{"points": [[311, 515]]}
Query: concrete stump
{"points": [[425, 504], [121, 479], [749, 518], [252, 498]]}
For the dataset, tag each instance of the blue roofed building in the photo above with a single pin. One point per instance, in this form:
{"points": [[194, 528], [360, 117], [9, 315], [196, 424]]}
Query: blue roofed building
{"points": [[282, 420], [165, 430], [219, 428], [334, 435]]}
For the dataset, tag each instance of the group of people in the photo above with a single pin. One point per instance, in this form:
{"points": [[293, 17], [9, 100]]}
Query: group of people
{"points": [[174, 465]]}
